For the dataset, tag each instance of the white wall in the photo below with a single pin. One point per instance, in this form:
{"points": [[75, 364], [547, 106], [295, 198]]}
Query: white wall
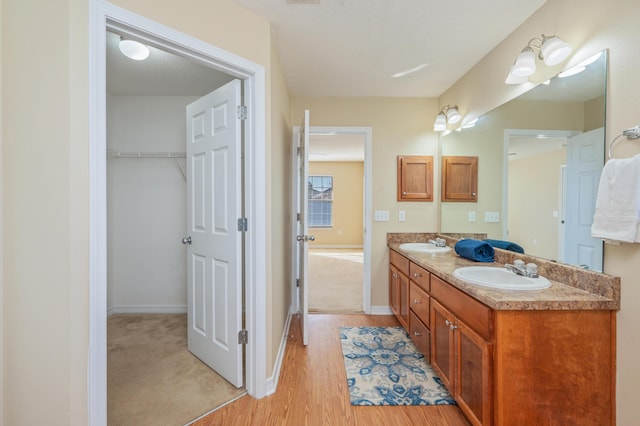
{"points": [[146, 205]]}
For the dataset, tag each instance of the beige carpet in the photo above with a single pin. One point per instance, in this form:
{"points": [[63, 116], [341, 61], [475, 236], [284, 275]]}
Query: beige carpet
{"points": [[152, 379], [335, 280]]}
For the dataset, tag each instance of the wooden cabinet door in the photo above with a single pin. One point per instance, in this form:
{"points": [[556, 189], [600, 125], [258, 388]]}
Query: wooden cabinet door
{"points": [[403, 289], [415, 178], [473, 388], [442, 340], [394, 294], [460, 179]]}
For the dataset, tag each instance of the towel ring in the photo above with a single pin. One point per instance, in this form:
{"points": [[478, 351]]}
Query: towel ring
{"points": [[632, 133], [613, 143]]}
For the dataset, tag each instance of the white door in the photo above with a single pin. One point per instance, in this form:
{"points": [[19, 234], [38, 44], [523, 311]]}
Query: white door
{"points": [[214, 204], [303, 228], [585, 160]]}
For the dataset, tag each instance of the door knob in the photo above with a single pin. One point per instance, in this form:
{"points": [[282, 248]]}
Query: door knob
{"points": [[186, 240]]}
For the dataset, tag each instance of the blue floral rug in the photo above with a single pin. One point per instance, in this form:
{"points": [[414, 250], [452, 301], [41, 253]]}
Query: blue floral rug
{"points": [[384, 367]]}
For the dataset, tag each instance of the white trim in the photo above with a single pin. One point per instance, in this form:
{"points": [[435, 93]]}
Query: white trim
{"points": [[272, 382], [368, 190], [104, 15], [147, 309], [381, 310]]}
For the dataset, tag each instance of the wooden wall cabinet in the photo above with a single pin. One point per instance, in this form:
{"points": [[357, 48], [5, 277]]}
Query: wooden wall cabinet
{"points": [[415, 178], [459, 179]]}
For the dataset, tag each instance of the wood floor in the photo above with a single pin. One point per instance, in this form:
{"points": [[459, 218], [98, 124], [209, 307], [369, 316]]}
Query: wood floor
{"points": [[312, 389]]}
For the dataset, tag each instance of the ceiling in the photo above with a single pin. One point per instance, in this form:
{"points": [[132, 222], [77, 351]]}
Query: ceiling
{"points": [[353, 47]]}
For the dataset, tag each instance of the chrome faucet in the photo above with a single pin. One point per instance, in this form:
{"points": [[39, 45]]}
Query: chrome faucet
{"points": [[438, 242], [530, 270]]}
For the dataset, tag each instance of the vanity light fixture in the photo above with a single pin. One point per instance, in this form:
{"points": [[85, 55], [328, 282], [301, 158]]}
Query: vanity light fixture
{"points": [[133, 49], [552, 51], [448, 115]]}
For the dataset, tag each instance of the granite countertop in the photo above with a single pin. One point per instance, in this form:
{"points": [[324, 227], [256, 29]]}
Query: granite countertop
{"points": [[560, 296]]}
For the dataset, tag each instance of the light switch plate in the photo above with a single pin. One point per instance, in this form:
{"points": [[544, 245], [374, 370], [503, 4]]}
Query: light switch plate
{"points": [[381, 216], [401, 216], [492, 217], [472, 216]]}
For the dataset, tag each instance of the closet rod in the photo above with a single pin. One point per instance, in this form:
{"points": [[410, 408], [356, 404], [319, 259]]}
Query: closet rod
{"points": [[140, 154]]}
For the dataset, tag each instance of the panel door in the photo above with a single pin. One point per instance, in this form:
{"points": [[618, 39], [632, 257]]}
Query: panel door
{"points": [[214, 203], [585, 160]]}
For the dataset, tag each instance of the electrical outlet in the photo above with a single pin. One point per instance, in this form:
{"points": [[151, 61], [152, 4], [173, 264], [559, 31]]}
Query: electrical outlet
{"points": [[472, 216], [381, 216], [401, 216]]}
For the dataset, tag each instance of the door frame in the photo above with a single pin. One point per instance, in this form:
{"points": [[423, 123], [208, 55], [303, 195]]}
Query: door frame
{"points": [[105, 16], [367, 132], [508, 134]]}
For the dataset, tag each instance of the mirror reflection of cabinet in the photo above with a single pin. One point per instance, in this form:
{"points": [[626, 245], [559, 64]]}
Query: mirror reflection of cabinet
{"points": [[460, 179], [415, 178]]}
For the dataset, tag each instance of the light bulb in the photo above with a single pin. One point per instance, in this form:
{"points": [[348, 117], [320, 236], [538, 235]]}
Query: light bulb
{"points": [[134, 50]]}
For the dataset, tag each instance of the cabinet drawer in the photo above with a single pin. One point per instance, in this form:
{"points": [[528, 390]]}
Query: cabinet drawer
{"points": [[399, 261], [419, 275], [477, 316], [419, 302], [420, 335]]}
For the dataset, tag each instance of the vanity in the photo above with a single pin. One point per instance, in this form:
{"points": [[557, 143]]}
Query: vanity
{"points": [[511, 357]]}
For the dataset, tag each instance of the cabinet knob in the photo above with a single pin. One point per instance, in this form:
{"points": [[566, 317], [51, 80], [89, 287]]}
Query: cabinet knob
{"points": [[404, 193]]}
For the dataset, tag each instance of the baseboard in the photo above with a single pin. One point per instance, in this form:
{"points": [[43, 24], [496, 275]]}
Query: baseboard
{"points": [[147, 309], [381, 310], [272, 382]]}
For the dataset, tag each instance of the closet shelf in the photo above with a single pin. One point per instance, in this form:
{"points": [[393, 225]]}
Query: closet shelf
{"points": [[141, 154]]}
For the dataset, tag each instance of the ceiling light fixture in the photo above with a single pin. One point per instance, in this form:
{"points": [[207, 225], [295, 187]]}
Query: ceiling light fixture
{"points": [[552, 51], [133, 49], [448, 115]]}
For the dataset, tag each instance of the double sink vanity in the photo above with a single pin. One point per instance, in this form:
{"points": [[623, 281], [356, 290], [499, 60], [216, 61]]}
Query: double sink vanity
{"points": [[512, 350]]}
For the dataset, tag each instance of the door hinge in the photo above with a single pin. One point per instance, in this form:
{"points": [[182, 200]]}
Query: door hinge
{"points": [[297, 282], [298, 151], [241, 112], [298, 217], [242, 224], [243, 337]]}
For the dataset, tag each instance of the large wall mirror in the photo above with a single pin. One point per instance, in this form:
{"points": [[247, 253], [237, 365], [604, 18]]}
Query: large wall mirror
{"points": [[540, 156]]}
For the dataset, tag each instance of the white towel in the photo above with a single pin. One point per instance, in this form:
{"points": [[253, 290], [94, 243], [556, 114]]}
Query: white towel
{"points": [[617, 213]]}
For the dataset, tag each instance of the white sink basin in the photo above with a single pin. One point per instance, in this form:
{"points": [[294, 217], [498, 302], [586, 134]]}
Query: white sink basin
{"points": [[424, 248], [501, 278]]}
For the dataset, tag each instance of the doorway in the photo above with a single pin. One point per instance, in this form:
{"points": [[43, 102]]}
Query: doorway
{"points": [[106, 17], [346, 152]]}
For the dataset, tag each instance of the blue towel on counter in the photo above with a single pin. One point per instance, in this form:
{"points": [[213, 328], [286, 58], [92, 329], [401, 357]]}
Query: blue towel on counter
{"points": [[477, 250], [506, 245]]}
